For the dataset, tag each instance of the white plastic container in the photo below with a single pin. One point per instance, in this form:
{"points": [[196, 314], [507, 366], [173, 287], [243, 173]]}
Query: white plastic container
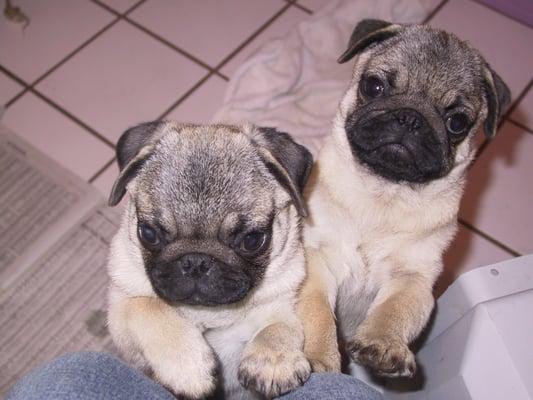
{"points": [[480, 345]]}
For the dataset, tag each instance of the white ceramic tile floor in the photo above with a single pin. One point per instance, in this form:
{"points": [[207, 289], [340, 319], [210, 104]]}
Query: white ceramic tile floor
{"points": [[504, 43], [288, 20], [124, 76], [133, 78], [63, 140], [524, 112], [314, 5], [57, 27], [207, 29], [8, 88], [104, 182], [202, 104], [120, 6], [499, 194]]}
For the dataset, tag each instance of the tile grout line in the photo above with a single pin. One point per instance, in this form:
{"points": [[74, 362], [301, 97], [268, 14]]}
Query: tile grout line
{"points": [[30, 88], [175, 48], [72, 117], [489, 238], [58, 108], [434, 12], [87, 42], [159, 38], [520, 125], [501, 13], [101, 170], [261, 29], [216, 70], [520, 97], [186, 95], [303, 8], [505, 118]]}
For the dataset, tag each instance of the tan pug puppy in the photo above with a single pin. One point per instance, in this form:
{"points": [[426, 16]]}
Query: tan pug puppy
{"points": [[207, 262], [385, 192]]}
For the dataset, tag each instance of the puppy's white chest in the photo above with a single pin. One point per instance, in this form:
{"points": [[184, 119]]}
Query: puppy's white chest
{"points": [[229, 343]]}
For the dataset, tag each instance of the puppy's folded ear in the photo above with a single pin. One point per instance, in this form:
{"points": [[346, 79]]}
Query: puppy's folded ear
{"points": [[498, 98], [366, 33], [133, 149], [289, 162]]}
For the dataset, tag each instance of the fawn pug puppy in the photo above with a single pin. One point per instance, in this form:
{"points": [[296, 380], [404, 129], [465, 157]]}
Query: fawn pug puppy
{"points": [[207, 262], [385, 191]]}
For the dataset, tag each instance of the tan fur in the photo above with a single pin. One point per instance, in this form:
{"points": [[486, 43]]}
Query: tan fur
{"points": [[257, 341], [320, 345], [273, 360], [183, 359], [374, 251]]}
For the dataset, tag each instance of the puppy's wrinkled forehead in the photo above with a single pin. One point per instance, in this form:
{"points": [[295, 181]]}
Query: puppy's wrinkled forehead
{"points": [[429, 61], [200, 177]]}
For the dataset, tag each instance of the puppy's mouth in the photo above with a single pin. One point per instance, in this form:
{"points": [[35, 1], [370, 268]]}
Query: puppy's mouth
{"points": [[398, 145], [198, 279]]}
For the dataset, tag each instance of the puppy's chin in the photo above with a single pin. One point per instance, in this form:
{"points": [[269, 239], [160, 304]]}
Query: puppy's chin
{"points": [[398, 145], [221, 284]]}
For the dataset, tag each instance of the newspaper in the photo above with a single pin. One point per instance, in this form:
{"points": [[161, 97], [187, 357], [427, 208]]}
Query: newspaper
{"points": [[54, 236]]}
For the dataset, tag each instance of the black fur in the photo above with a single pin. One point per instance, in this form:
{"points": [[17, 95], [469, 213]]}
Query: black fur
{"points": [[366, 33], [498, 99], [128, 146], [296, 161]]}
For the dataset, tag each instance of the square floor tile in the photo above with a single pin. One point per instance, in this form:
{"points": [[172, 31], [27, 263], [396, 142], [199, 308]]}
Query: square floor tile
{"points": [[8, 88], [124, 77], [313, 5], [524, 112], [57, 136], [468, 251], [504, 43], [281, 25], [57, 27], [104, 182], [208, 29], [521, 10], [499, 193], [120, 6], [201, 105]]}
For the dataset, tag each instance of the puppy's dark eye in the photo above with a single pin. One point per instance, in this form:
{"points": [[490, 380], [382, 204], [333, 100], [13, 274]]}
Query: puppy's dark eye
{"points": [[253, 242], [372, 87], [457, 123], [147, 234]]}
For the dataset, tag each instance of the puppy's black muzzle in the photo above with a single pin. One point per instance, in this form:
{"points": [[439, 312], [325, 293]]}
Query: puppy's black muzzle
{"points": [[199, 279], [399, 145]]}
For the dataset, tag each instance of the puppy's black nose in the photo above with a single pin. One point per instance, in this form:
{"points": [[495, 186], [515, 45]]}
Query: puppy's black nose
{"points": [[411, 119], [195, 264]]}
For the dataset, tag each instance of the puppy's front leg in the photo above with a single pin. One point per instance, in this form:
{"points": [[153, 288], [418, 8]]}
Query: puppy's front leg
{"points": [[273, 362], [398, 314], [316, 314], [174, 348]]}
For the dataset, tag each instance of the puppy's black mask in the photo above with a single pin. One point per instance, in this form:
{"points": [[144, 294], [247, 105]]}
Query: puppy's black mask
{"points": [[419, 96], [205, 269], [199, 279], [399, 143]]}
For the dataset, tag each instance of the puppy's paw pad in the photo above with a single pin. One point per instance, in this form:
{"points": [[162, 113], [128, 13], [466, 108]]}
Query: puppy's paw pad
{"points": [[326, 363], [190, 374], [384, 356], [274, 373]]}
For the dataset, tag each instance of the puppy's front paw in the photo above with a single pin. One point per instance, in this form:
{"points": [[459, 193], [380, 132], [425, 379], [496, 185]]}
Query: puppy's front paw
{"points": [[273, 373], [326, 361], [385, 356], [191, 373]]}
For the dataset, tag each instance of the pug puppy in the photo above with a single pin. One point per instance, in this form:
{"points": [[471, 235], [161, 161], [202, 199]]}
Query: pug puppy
{"points": [[385, 191], [208, 259]]}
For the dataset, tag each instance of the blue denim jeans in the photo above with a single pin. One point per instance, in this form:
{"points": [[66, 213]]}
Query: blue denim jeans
{"points": [[90, 376]]}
